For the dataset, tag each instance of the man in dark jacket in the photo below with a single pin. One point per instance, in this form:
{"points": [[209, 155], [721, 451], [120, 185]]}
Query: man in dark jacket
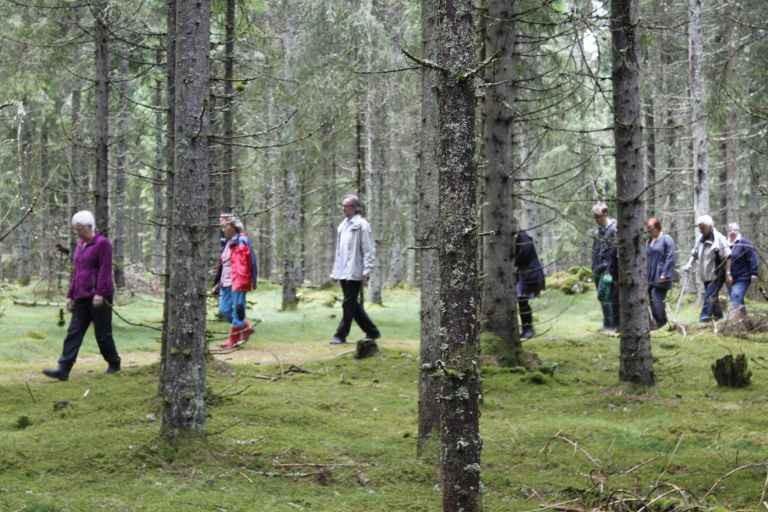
{"points": [[530, 280], [605, 266], [744, 268]]}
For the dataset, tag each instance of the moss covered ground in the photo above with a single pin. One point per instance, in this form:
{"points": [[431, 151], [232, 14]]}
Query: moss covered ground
{"points": [[342, 436]]}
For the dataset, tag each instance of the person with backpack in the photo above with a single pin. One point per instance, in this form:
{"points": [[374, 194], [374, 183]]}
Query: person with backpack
{"points": [[239, 275], [744, 271], [713, 255]]}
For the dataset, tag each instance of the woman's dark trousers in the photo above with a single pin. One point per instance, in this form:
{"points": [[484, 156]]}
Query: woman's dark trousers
{"points": [[83, 313]]}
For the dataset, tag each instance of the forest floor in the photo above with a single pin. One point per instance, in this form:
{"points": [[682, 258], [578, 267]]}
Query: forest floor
{"points": [[342, 436]]}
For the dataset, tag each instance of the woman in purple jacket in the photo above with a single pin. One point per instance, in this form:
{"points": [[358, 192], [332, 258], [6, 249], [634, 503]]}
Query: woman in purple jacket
{"points": [[89, 298]]}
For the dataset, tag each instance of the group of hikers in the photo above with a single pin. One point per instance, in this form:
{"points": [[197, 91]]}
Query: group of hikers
{"points": [[718, 260], [91, 289], [732, 261]]}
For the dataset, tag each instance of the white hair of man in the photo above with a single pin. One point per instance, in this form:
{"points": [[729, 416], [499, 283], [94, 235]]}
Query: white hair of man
{"points": [[84, 218], [599, 208], [733, 227], [706, 220], [354, 200]]}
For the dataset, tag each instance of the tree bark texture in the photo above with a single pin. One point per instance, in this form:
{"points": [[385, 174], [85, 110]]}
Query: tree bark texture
{"points": [[499, 302], [698, 109], [78, 176], [170, 171], [184, 410], [228, 161], [118, 233], [101, 185], [636, 361], [158, 176], [457, 226], [24, 130], [427, 240]]}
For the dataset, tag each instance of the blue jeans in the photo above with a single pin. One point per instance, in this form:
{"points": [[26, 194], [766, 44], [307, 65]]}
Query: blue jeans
{"points": [[711, 307], [232, 306], [738, 292]]}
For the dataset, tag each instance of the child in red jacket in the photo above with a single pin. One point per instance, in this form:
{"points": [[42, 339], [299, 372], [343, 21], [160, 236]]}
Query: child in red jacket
{"points": [[238, 277]]}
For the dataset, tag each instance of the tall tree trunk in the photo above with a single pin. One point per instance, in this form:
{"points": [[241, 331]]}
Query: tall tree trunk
{"points": [[698, 110], [292, 236], [48, 220], [170, 173], [729, 207], [379, 146], [331, 204], [427, 241], [78, 176], [636, 362], [101, 185], [158, 247], [459, 325], [24, 166], [118, 233], [499, 302], [228, 161], [184, 410]]}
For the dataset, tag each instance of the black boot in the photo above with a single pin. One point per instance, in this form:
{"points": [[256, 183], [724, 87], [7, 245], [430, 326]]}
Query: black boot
{"points": [[59, 373], [527, 333], [113, 368]]}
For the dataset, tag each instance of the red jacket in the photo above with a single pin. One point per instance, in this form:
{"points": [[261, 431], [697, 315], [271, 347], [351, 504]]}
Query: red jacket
{"points": [[242, 267]]}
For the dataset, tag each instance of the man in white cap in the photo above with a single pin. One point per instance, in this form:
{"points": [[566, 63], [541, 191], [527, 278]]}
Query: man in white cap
{"points": [[712, 254]]}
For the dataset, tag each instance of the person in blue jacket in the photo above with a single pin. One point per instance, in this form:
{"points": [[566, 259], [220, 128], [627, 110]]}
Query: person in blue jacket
{"points": [[662, 258], [605, 266], [745, 267]]}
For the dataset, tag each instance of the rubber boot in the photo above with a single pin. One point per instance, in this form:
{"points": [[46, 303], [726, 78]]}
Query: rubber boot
{"points": [[234, 337]]}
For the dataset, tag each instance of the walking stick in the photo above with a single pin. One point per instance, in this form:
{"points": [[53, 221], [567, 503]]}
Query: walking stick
{"points": [[686, 275]]}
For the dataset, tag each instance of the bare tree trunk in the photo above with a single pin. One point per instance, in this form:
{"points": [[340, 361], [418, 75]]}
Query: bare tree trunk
{"points": [[499, 302], [228, 162], [48, 220], [78, 176], [331, 207], [184, 410], [170, 173], [118, 233], [636, 361], [158, 176], [698, 109], [24, 165], [459, 325], [729, 207], [101, 42], [427, 241], [292, 236]]}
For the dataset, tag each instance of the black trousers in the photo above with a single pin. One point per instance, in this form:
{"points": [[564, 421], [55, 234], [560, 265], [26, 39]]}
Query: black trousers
{"points": [[526, 313], [353, 310], [83, 313]]}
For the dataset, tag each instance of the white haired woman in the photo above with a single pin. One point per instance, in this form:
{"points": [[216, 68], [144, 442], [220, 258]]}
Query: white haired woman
{"points": [[89, 298]]}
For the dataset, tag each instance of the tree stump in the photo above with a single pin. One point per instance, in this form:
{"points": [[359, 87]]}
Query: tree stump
{"points": [[366, 348], [732, 372]]}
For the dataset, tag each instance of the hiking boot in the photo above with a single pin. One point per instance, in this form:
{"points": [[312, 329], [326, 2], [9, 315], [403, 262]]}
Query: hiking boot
{"points": [[527, 333], [58, 374], [338, 341], [244, 334], [234, 338], [113, 368]]}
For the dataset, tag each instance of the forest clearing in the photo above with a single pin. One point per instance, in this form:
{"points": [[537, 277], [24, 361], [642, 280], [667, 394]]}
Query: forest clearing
{"points": [[342, 435], [356, 255]]}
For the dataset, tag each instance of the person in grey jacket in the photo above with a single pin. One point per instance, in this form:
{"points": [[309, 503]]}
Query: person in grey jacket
{"points": [[605, 266], [662, 258], [352, 265], [713, 255]]}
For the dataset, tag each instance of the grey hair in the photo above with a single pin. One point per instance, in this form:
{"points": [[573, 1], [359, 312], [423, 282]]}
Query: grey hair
{"points": [[355, 200], [599, 208], [705, 220], [84, 218], [734, 227]]}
